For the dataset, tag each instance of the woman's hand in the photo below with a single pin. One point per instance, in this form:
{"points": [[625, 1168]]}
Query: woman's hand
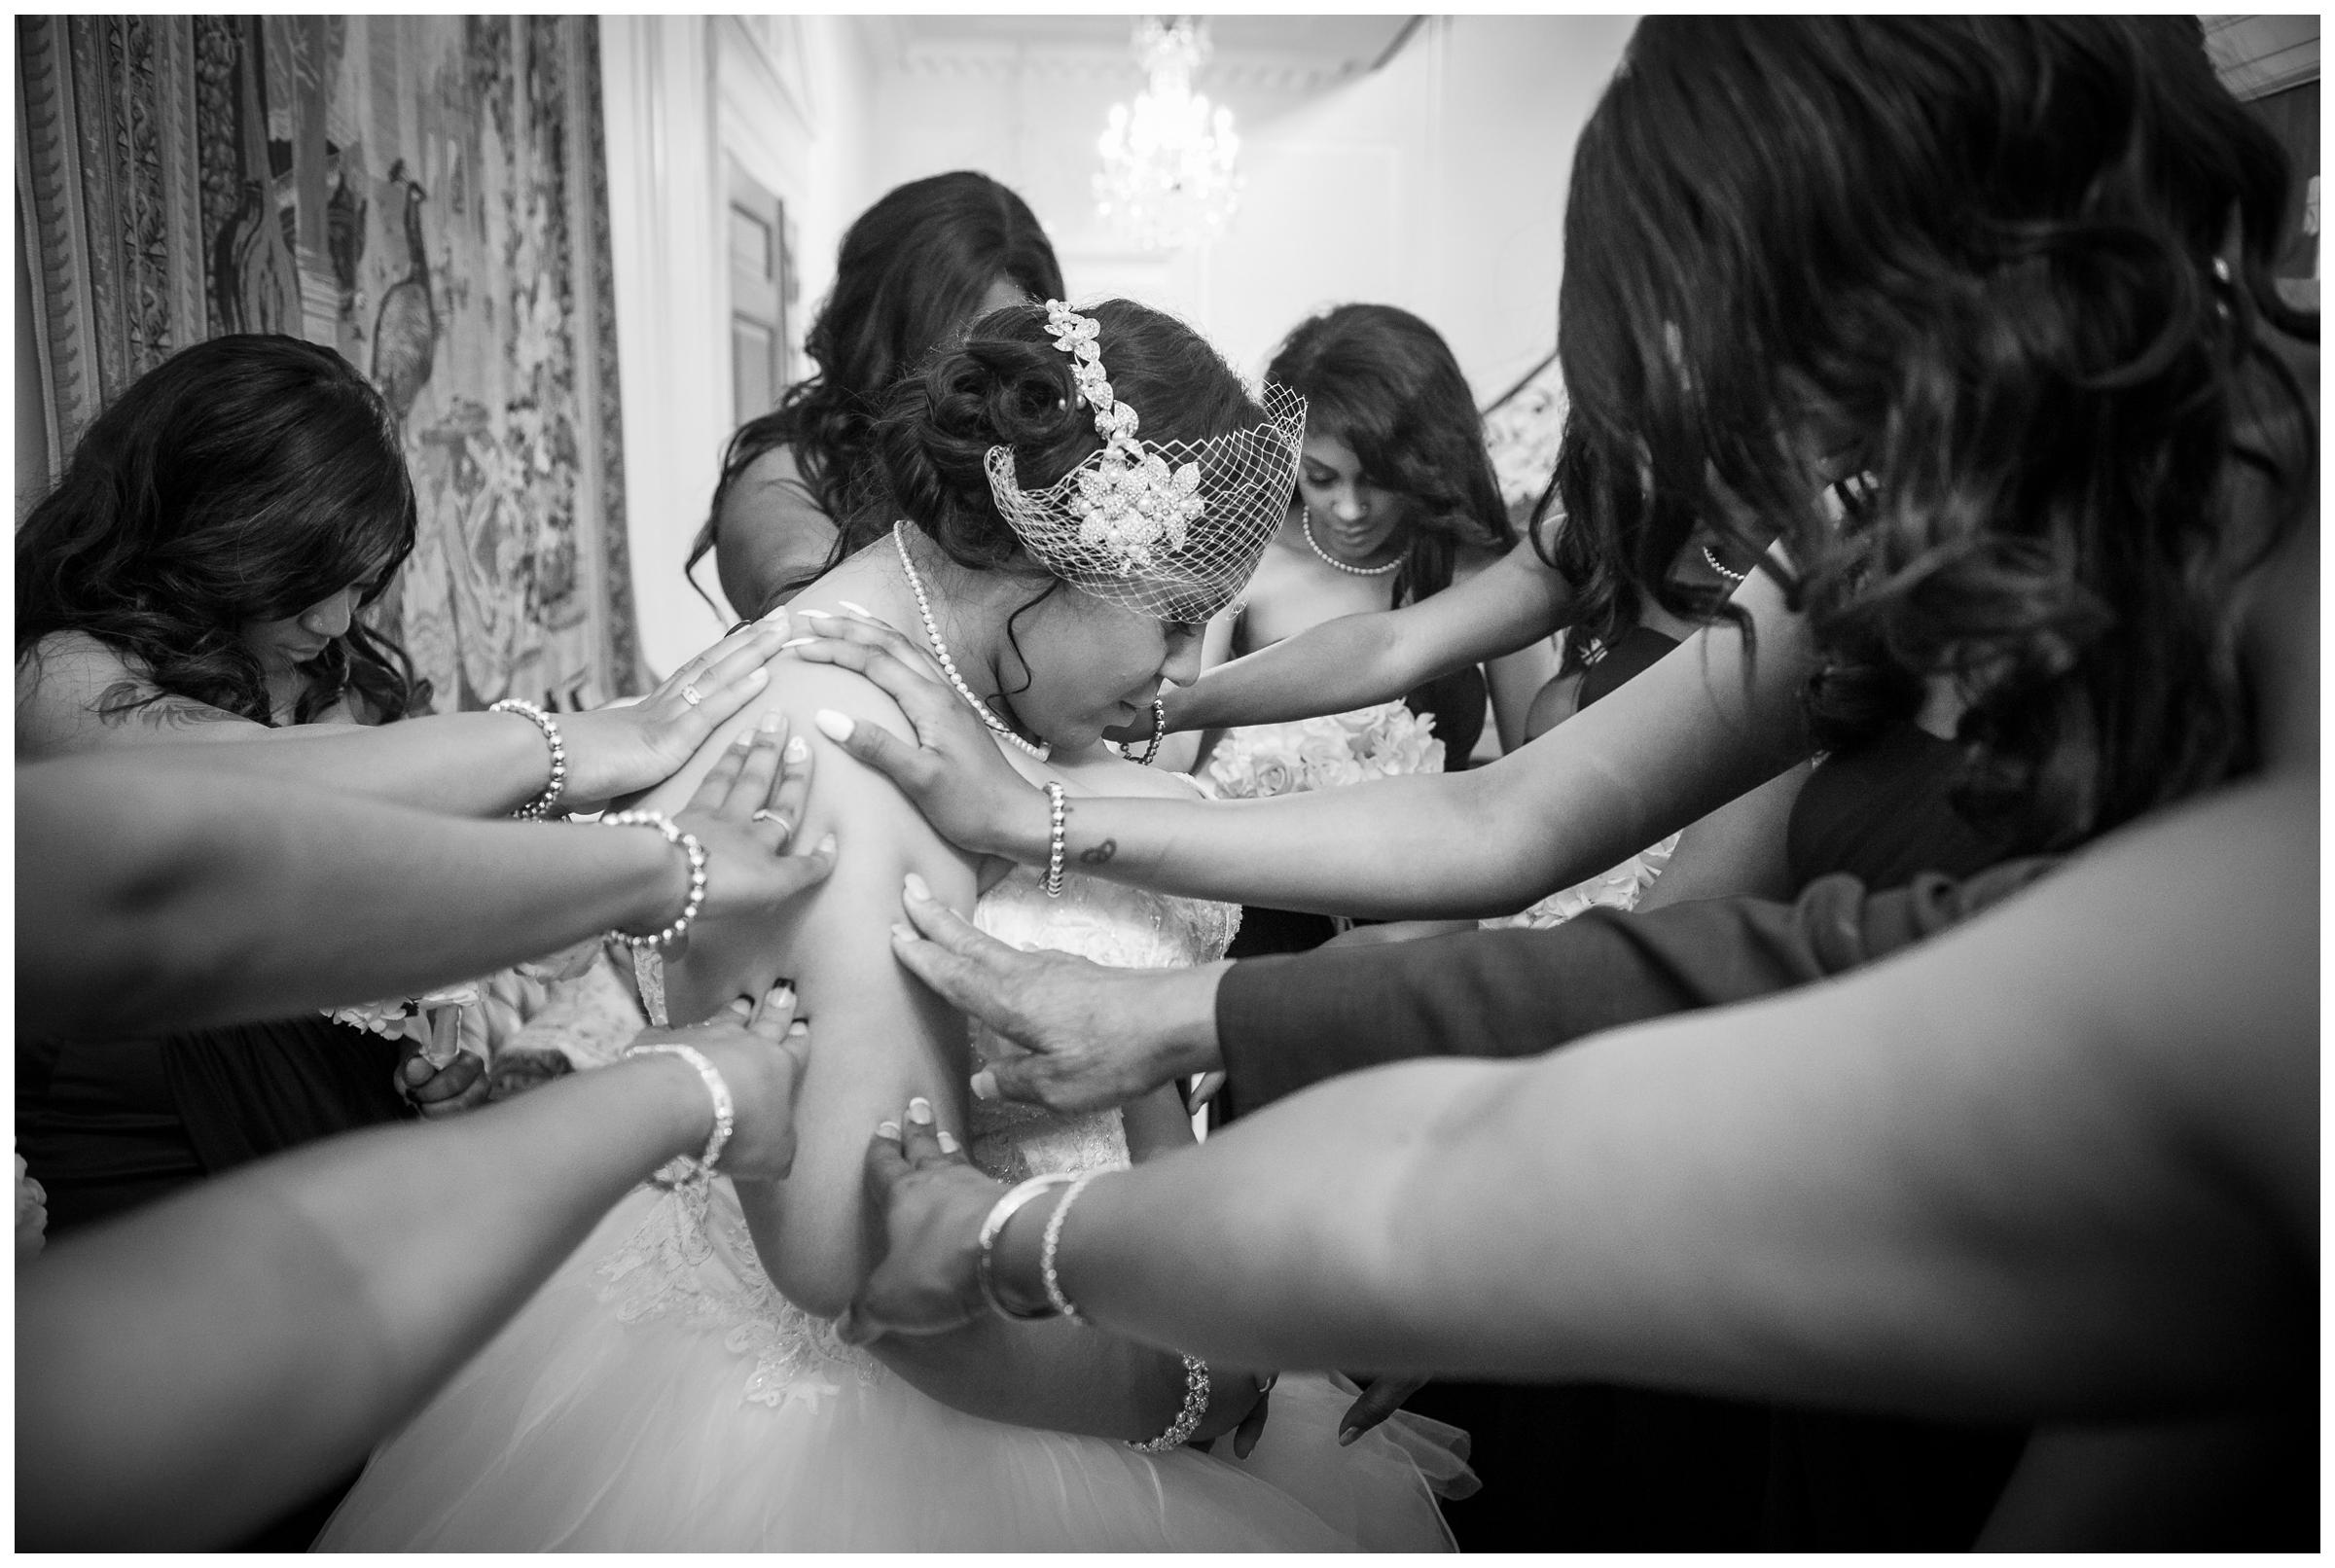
{"points": [[624, 749], [435, 1090], [745, 812], [761, 1052], [930, 1202], [954, 773]]}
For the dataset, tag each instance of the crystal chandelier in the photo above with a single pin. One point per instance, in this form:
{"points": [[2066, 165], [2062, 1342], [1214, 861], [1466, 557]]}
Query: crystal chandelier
{"points": [[1168, 179]]}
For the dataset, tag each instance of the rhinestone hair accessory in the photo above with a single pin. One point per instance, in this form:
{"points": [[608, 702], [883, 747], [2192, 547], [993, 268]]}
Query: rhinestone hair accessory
{"points": [[1169, 528]]}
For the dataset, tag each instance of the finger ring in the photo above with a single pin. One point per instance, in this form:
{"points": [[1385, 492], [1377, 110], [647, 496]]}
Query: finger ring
{"points": [[786, 829], [692, 695]]}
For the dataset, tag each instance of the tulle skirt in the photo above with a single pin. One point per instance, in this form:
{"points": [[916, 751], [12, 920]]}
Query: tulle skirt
{"points": [[656, 1396]]}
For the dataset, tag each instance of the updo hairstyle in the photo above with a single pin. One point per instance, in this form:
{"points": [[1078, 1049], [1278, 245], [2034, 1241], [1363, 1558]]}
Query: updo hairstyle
{"points": [[1007, 384]]}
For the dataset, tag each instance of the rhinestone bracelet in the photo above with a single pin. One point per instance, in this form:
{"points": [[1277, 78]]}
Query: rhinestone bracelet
{"points": [[1187, 1420], [1057, 812], [688, 844], [540, 807], [1053, 1242], [685, 1171]]}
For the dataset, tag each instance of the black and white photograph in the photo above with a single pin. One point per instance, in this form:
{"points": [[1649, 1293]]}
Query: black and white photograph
{"points": [[1111, 783]]}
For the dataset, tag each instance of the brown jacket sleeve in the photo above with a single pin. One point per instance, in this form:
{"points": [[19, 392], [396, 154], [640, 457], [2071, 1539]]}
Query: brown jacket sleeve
{"points": [[1287, 1022]]}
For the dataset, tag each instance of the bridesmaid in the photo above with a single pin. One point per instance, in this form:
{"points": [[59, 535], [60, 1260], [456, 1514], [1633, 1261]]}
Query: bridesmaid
{"points": [[799, 486]]}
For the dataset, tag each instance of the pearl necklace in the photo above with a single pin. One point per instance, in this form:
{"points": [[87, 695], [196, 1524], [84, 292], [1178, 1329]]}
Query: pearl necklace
{"points": [[940, 650], [1306, 524]]}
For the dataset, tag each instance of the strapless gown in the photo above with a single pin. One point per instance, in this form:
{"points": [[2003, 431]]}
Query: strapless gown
{"points": [[658, 1393]]}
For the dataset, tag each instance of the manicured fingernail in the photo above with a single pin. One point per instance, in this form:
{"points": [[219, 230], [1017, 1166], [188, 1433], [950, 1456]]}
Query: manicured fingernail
{"points": [[919, 1111], [798, 750], [827, 844], [917, 889], [744, 742], [1348, 1433], [782, 996], [798, 1029], [888, 1129], [857, 609], [775, 621], [773, 721], [948, 1144], [814, 614], [757, 676], [796, 642], [833, 725], [984, 1084]]}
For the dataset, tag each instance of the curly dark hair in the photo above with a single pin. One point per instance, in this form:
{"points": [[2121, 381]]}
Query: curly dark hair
{"points": [[1385, 382], [912, 269], [2015, 272], [1007, 384], [244, 479]]}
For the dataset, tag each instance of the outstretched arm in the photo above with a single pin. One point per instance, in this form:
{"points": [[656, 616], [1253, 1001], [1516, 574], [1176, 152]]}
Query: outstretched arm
{"points": [[1702, 727], [189, 1370], [171, 890], [1356, 660], [2062, 1160], [466, 763]]}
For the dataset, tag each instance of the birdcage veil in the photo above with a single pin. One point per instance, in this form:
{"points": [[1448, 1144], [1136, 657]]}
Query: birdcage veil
{"points": [[1169, 528]]}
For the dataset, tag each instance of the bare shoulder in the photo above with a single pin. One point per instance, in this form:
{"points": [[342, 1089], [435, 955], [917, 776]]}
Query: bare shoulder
{"points": [[75, 692]]}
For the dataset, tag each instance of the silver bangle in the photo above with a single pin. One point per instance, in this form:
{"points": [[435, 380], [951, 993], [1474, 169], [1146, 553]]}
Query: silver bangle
{"points": [[685, 1171], [1053, 1243], [688, 844], [1187, 1420], [540, 807], [1058, 811], [985, 1265]]}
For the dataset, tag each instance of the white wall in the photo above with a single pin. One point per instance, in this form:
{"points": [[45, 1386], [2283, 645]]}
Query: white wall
{"points": [[789, 98], [1436, 184]]}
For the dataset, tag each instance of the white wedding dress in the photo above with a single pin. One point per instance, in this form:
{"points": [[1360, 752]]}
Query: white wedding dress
{"points": [[658, 1394]]}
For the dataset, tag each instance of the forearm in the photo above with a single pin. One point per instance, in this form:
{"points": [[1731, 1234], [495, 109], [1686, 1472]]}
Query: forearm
{"points": [[1352, 662], [475, 765], [185, 1372], [200, 899], [1966, 1184]]}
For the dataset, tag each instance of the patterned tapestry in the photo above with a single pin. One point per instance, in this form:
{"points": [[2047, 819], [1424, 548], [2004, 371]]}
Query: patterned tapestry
{"points": [[427, 195]]}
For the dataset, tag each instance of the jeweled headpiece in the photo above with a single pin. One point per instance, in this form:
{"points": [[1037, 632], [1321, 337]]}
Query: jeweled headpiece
{"points": [[1169, 528]]}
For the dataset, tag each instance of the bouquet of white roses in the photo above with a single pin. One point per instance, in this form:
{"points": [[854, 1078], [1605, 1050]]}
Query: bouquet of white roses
{"points": [[1266, 760]]}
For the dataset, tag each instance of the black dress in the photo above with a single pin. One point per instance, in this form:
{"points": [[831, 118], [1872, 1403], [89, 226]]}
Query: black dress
{"points": [[109, 1126]]}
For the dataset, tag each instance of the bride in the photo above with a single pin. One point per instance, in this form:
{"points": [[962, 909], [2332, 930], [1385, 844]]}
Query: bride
{"points": [[677, 1385]]}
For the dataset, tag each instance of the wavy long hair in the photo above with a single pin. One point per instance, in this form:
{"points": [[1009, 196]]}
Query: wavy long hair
{"points": [[1007, 384], [911, 272], [1385, 382], [244, 479], [2014, 270]]}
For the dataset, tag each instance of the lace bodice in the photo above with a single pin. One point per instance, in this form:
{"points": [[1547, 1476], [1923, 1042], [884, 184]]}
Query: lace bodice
{"points": [[1124, 927], [697, 1259]]}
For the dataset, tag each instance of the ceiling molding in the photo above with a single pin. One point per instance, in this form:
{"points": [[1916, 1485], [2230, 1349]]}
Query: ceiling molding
{"points": [[2257, 56], [1277, 54]]}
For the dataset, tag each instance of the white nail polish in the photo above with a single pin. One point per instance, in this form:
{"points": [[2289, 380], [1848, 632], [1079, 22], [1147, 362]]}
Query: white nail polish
{"points": [[798, 642], [772, 720], [837, 726], [984, 1084], [948, 1144], [916, 888], [857, 609], [798, 750]]}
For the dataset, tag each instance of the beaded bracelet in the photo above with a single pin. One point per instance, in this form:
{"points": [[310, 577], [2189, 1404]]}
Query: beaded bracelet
{"points": [[985, 1267], [1158, 731], [685, 1171], [1053, 1243], [1058, 811], [688, 844], [540, 807], [1711, 560], [1187, 1420]]}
